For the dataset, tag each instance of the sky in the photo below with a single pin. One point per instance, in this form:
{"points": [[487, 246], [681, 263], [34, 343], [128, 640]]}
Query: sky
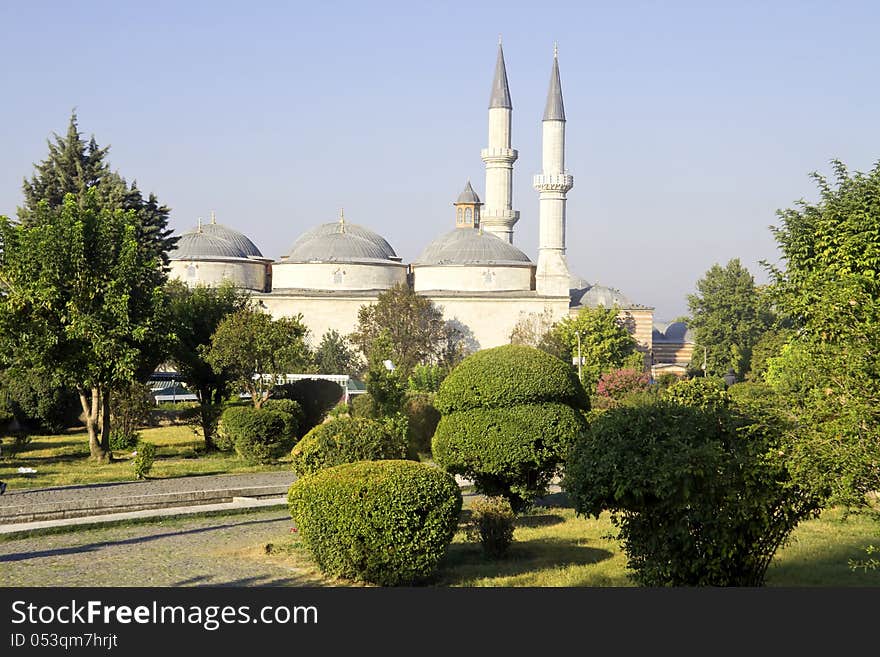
{"points": [[689, 124]]}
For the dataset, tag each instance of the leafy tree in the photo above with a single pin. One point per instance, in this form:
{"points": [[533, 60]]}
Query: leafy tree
{"points": [[829, 372], [605, 343], [334, 355], [728, 316], [83, 302], [699, 485], [195, 313], [385, 383], [258, 350], [412, 323]]}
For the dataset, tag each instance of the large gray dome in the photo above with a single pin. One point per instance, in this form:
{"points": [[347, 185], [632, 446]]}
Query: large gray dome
{"points": [[471, 247], [202, 246], [356, 230], [337, 247], [238, 239]]}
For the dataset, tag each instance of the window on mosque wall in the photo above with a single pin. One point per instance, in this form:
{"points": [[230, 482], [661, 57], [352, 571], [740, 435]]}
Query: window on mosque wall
{"points": [[468, 218], [192, 272], [338, 276]]}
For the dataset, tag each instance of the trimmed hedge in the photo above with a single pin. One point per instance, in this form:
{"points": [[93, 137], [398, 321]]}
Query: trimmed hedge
{"points": [[422, 418], [509, 451], [507, 376], [345, 440], [258, 434], [291, 408], [385, 522]]}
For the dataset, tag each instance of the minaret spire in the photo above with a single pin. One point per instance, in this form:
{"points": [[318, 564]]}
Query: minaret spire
{"points": [[498, 216], [552, 276]]}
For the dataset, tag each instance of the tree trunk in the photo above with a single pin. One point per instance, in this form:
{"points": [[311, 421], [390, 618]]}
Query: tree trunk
{"points": [[91, 405], [206, 413], [105, 424]]}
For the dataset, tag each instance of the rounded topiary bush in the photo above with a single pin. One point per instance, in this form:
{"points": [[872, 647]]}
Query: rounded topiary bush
{"points": [[345, 440], [258, 434], [507, 376], [509, 416], [385, 522], [292, 409], [422, 418], [363, 405]]}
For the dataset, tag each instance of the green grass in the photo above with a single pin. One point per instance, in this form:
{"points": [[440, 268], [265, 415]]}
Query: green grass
{"points": [[63, 460], [554, 548]]}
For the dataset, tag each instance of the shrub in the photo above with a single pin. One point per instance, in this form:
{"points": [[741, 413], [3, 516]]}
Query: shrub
{"points": [[346, 440], [426, 378], [292, 409], [509, 375], [363, 405], [38, 404], [384, 522], [513, 452], [340, 410], [258, 434], [315, 396], [119, 440], [701, 496], [492, 524], [142, 462], [423, 419], [623, 382], [706, 393]]}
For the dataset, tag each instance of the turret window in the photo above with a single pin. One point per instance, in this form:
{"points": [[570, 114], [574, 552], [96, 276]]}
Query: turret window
{"points": [[459, 219], [468, 217]]}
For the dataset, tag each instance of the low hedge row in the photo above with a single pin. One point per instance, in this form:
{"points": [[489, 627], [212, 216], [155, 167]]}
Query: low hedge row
{"points": [[385, 522]]}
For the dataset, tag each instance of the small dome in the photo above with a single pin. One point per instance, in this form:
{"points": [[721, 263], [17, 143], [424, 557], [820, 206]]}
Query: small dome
{"points": [[577, 283], [471, 247], [673, 332], [202, 246], [336, 247], [468, 195], [356, 230], [599, 295]]}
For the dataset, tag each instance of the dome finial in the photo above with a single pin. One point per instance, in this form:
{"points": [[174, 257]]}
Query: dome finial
{"points": [[200, 225], [341, 220], [499, 38], [213, 218], [555, 50]]}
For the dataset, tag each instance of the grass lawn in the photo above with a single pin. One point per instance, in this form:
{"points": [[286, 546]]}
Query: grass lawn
{"points": [[553, 547], [63, 459]]}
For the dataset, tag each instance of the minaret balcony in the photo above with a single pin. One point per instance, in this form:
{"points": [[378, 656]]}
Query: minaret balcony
{"points": [[553, 182], [506, 155]]}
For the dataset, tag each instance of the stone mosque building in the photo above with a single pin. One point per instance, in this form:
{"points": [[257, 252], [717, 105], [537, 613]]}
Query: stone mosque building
{"points": [[474, 273]]}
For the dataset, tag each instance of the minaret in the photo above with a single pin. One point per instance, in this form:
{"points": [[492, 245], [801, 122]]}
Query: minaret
{"points": [[552, 277], [498, 217]]}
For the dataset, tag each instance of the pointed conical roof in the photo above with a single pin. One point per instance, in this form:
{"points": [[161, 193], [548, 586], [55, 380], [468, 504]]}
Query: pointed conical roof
{"points": [[554, 110], [468, 195], [500, 92]]}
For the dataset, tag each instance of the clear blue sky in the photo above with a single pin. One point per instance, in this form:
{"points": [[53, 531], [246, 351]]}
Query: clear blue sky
{"points": [[689, 123]]}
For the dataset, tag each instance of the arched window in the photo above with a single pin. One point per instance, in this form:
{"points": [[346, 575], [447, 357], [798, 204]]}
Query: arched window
{"points": [[468, 218], [459, 216], [191, 272]]}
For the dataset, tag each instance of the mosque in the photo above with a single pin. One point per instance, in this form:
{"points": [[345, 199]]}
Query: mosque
{"points": [[474, 273]]}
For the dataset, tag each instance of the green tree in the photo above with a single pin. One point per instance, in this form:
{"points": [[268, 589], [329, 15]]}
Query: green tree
{"points": [[258, 350], [83, 302], [385, 383], [413, 324], [334, 355], [602, 339], [728, 316], [829, 372], [195, 313]]}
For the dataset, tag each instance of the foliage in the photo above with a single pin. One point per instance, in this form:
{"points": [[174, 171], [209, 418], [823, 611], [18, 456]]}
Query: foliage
{"points": [[492, 524], [728, 316], [702, 494], [704, 393], [84, 302], [363, 405], [292, 411], [315, 397], [258, 434], [422, 419], [195, 313], [768, 346], [130, 408], [513, 451], [342, 409], [37, 403], [829, 372], [605, 342], [506, 376], [426, 378], [346, 440], [385, 522], [256, 350], [411, 324], [617, 384], [385, 385], [143, 459], [531, 328], [335, 355]]}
